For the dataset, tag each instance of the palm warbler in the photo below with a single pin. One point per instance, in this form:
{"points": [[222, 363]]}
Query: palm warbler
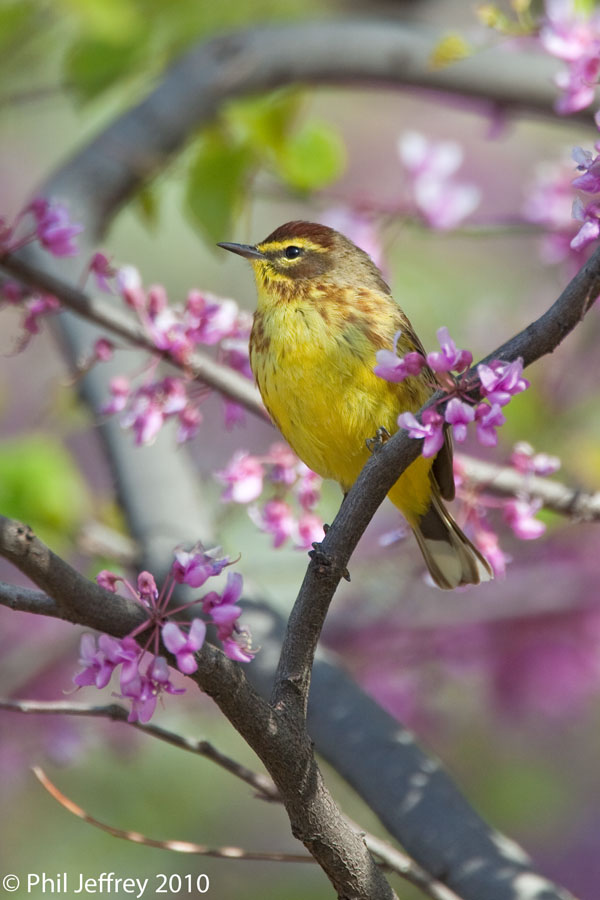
{"points": [[324, 310]]}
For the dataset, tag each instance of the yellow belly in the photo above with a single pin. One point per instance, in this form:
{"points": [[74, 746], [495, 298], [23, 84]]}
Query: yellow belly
{"points": [[316, 379]]}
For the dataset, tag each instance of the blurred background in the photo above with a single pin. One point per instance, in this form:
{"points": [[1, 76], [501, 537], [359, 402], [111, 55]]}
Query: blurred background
{"points": [[502, 684]]}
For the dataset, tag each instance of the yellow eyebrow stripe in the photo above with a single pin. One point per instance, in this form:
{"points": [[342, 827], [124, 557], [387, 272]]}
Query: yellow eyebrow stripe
{"points": [[275, 246]]}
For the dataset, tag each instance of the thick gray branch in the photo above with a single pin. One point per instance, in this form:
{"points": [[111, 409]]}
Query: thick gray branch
{"points": [[343, 52]]}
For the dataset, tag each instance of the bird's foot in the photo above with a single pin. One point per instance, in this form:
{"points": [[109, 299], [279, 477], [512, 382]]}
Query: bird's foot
{"points": [[381, 436]]}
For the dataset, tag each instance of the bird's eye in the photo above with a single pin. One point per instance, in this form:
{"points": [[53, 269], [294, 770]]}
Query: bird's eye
{"points": [[292, 252]]}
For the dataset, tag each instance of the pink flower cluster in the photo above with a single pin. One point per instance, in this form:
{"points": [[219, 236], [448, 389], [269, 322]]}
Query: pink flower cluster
{"points": [[246, 476], [549, 203], [518, 512], [499, 381], [573, 37], [440, 199], [51, 226], [143, 672], [48, 222], [176, 330], [588, 182]]}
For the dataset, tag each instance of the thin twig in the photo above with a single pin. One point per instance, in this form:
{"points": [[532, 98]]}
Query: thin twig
{"points": [[555, 495], [262, 784], [179, 846], [119, 321], [391, 858]]}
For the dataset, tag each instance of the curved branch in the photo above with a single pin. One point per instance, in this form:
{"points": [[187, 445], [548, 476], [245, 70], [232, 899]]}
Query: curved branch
{"points": [[237, 64], [508, 482], [283, 746], [377, 477]]}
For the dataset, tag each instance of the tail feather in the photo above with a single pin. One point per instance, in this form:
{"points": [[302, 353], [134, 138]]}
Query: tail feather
{"points": [[450, 556]]}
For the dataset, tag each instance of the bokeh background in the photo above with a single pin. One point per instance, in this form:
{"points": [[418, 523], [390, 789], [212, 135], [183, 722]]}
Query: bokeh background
{"points": [[504, 684]]}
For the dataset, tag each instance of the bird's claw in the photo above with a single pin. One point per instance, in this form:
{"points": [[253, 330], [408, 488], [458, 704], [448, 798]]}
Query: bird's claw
{"points": [[381, 436]]}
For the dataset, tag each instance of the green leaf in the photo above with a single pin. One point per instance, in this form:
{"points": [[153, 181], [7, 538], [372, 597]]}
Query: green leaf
{"points": [[40, 484], [92, 66], [110, 20], [264, 121], [215, 183], [312, 157]]}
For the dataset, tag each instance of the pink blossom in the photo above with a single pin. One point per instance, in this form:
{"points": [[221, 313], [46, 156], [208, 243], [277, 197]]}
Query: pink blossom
{"points": [[549, 202], [147, 587], [54, 229], [211, 319], [589, 181], [146, 418], [487, 419], [396, 368], [119, 388], [243, 477], [103, 350], [308, 487], [189, 420], [450, 357], [501, 380], [275, 518], [196, 566], [431, 430], [283, 462], [36, 307], [173, 395], [184, 646], [238, 651], [590, 229], [129, 285], [97, 670], [309, 530], [443, 202], [236, 354], [575, 39], [143, 697], [525, 460], [520, 515], [102, 270], [230, 596], [459, 415], [108, 580], [124, 652], [488, 543]]}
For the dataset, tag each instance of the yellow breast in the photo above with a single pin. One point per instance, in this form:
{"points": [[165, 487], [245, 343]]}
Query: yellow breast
{"points": [[313, 362]]}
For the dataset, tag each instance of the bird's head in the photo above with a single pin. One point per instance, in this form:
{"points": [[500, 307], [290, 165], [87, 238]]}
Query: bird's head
{"points": [[298, 255]]}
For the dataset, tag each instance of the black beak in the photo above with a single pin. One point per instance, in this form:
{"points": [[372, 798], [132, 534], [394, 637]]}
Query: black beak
{"points": [[246, 250]]}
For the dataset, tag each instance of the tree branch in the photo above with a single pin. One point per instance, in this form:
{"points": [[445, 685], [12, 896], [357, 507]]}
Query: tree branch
{"points": [[390, 858], [347, 52], [508, 482], [284, 747], [117, 320], [263, 785], [377, 477], [109, 170], [177, 846]]}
